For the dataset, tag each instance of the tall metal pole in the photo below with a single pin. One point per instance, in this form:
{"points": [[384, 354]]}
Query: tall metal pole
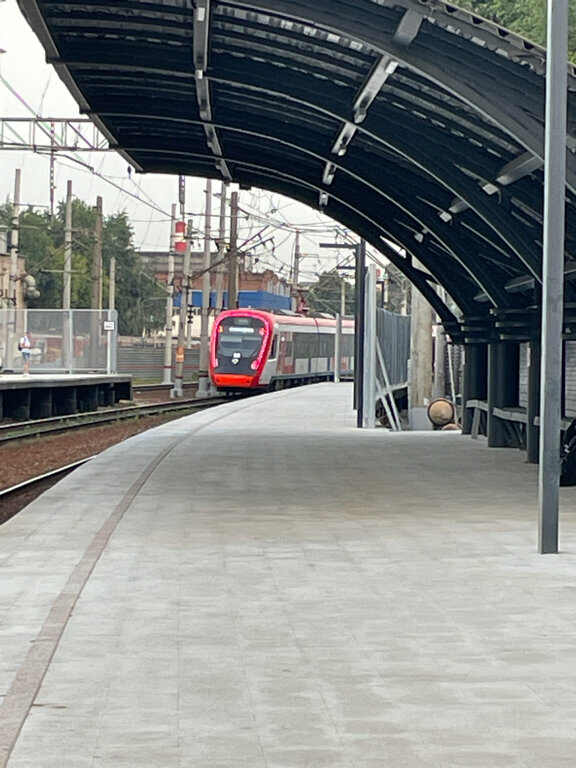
{"points": [[96, 293], [233, 261], [369, 389], [296, 272], [338, 334], [337, 348], [553, 275], [67, 333], [219, 303], [14, 237], [112, 291], [96, 298], [67, 295], [111, 335], [11, 331], [360, 268], [180, 344], [203, 380], [167, 369]]}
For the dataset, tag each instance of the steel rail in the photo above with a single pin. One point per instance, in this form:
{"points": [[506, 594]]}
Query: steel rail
{"points": [[55, 424]]}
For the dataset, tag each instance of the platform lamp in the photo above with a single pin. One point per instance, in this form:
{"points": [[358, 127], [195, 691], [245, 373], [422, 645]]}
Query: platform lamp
{"points": [[359, 271]]}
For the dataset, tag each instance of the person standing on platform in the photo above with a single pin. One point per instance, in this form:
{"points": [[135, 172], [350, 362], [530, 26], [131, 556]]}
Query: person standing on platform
{"points": [[24, 345]]}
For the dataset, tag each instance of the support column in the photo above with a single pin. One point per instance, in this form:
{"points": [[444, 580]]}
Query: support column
{"points": [[421, 362], [369, 379], [360, 269], [533, 405], [503, 389], [475, 381]]}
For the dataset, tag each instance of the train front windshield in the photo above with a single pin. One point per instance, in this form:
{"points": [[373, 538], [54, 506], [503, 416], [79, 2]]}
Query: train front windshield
{"points": [[238, 343]]}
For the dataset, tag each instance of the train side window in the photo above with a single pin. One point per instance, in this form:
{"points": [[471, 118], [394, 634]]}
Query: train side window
{"points": [[274, 347]]}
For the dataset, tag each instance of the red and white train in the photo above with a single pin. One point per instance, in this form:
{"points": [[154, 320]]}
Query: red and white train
{"points": [[251, 349]]}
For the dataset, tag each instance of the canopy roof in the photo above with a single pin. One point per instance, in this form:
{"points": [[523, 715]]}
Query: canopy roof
{"points": [[406, 120]]}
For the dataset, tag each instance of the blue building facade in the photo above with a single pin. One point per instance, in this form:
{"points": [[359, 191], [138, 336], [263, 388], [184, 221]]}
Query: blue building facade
{"points": [[254, 299]]}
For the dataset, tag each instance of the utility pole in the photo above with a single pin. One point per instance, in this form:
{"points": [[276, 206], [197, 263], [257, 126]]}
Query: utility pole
{"points": [[338, 334], [167, 370], [14, 238], [203, 380], [96, 295], [67, 295], [233, 260], [10, 343], [112, 291], [221, 249], [96, 298], [180, 347], [296, 271], [67, 345]]}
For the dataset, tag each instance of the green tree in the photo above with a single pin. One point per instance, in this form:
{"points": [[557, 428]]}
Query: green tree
{"points": [[526, 17], [139, 297], [325, 295]]}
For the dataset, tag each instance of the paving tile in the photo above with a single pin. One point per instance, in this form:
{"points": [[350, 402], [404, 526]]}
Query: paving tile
{"points": [[287, 591]]}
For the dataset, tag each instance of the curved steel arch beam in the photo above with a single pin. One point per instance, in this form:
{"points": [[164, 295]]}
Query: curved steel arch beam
{"points": [[484, 282], [372, 232], [483, 277], [486, 207], [468, 86]]}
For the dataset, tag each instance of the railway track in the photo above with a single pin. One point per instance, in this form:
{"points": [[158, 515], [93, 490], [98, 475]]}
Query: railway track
{"points": [[13, 499], [58, 424]]}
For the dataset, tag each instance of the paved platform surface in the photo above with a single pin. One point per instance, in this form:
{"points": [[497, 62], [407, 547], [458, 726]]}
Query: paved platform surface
{"points": [[262, 585]]}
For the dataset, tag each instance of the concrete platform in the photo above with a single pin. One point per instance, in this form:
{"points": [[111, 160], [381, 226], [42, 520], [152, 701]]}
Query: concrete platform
{"points": [[262, 585], [41, 396]]}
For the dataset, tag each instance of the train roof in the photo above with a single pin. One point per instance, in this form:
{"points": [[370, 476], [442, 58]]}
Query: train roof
{"points": [[283, 317]]}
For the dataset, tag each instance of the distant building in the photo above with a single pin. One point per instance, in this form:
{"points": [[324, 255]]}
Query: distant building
{"points": [[260, 290]]}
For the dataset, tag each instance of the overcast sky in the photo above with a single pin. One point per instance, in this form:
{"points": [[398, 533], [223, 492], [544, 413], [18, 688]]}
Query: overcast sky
{"points": [[23, 67]]}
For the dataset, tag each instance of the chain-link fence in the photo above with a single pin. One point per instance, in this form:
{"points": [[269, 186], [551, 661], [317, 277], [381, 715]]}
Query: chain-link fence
{"points": [[63, 341]]}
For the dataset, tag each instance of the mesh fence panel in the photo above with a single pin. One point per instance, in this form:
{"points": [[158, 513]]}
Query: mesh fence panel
{"points": [[393, 333], [63, 341]]}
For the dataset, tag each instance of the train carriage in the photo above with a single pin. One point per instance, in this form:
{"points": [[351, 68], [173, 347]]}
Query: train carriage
{"points": [[255, 350]]}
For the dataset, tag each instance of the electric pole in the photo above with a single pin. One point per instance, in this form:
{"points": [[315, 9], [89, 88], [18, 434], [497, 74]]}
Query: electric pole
{"points": [[67, 345], [233, 260], [96, 299], [167, 370], [180, 344], [96, 295], [219, 303], [296, 271], [203, 380], [10, 343], [67, 295]]}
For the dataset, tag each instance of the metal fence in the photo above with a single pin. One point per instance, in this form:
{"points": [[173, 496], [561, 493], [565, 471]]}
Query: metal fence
{"points": [[63, 341], [146, 364], [393, 333]]}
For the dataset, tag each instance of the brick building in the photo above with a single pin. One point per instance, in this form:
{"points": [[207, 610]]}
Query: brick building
{"points": [[262, 290]]}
